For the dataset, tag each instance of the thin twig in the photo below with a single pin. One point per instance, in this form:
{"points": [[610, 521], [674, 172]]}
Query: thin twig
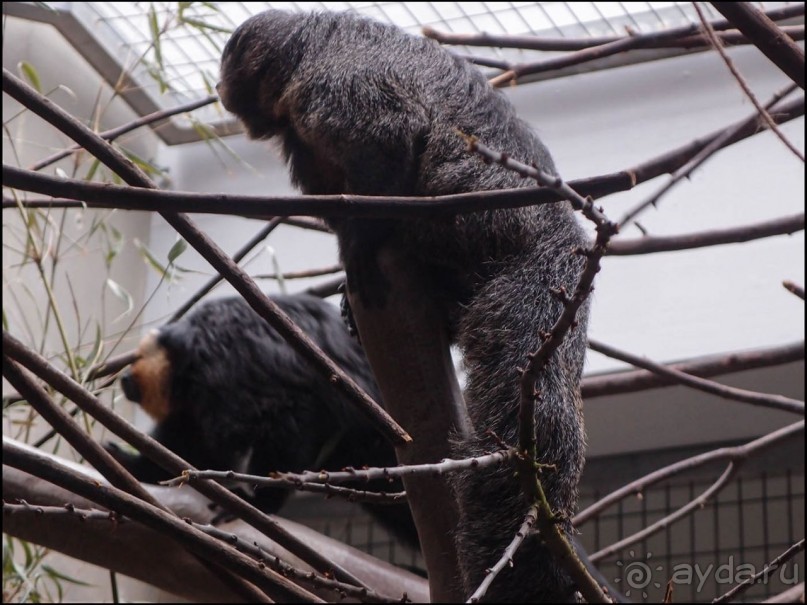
{"points": [[764, 574], [777, 402], [716, 365], [692, 506], [722, 139], [507, 558], [301, 274], [527, 463], [785, 225], [763, 113], [217, 279], [734, 454], [114, 133], [278, 479], [794, 288]]}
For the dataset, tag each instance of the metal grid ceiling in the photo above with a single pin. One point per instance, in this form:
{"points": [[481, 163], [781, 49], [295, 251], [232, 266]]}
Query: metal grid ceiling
{"points": [[187, 56]]}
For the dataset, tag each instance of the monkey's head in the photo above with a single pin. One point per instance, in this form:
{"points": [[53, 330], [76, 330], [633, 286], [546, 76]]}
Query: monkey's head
{"points": [[257, 66], [148, 380]]}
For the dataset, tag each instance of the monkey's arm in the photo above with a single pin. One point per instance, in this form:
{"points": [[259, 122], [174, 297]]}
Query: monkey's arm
{"points": [[373, 148]]}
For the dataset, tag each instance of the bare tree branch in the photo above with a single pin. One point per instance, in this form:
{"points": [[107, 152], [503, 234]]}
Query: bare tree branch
{"points": [[745, 86], [114, 133], [237, 258], [785, 225], [794, 288], [735, 454], [507, 557], [293, 480], [716, 365], [530, 42], [763, 574], [776, 402], [273, 584], [725, 137], [737, 457], [766, 35]]}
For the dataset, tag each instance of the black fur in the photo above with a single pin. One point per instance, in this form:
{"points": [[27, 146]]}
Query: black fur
{"points": [[240, 398], [364, 108]]}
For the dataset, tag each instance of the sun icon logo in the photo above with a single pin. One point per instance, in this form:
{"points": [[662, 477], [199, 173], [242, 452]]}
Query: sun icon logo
{"points": [[637, 575]]}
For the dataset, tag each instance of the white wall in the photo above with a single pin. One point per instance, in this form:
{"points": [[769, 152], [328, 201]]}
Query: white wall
{"points": [[81, 273]]}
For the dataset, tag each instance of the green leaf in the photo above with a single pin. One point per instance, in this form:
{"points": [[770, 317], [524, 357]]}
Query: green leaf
{"points": [[114, 241], [178, 248], [30, 74], [92, 170], [57, 575], [202, 26], [144, 165], [150, 258], [120, 292], [155, 37]]}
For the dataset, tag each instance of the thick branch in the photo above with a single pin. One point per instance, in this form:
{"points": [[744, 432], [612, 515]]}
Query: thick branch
{"points": [[124, 556], [408, 349], [114, 499], [766, 35]]}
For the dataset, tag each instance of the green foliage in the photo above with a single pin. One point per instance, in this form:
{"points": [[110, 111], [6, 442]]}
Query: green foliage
{"points": [[27, 578]]}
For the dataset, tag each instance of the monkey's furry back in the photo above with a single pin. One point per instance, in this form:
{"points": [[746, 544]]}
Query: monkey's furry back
{"points": [[362, 107]]}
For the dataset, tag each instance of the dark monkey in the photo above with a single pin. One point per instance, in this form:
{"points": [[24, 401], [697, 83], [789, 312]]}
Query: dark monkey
{"points": [[364, 108], [227, 392]]}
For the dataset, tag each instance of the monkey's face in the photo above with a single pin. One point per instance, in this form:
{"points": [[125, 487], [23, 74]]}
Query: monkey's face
{"points": [[256, 67], [148, 380]]}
